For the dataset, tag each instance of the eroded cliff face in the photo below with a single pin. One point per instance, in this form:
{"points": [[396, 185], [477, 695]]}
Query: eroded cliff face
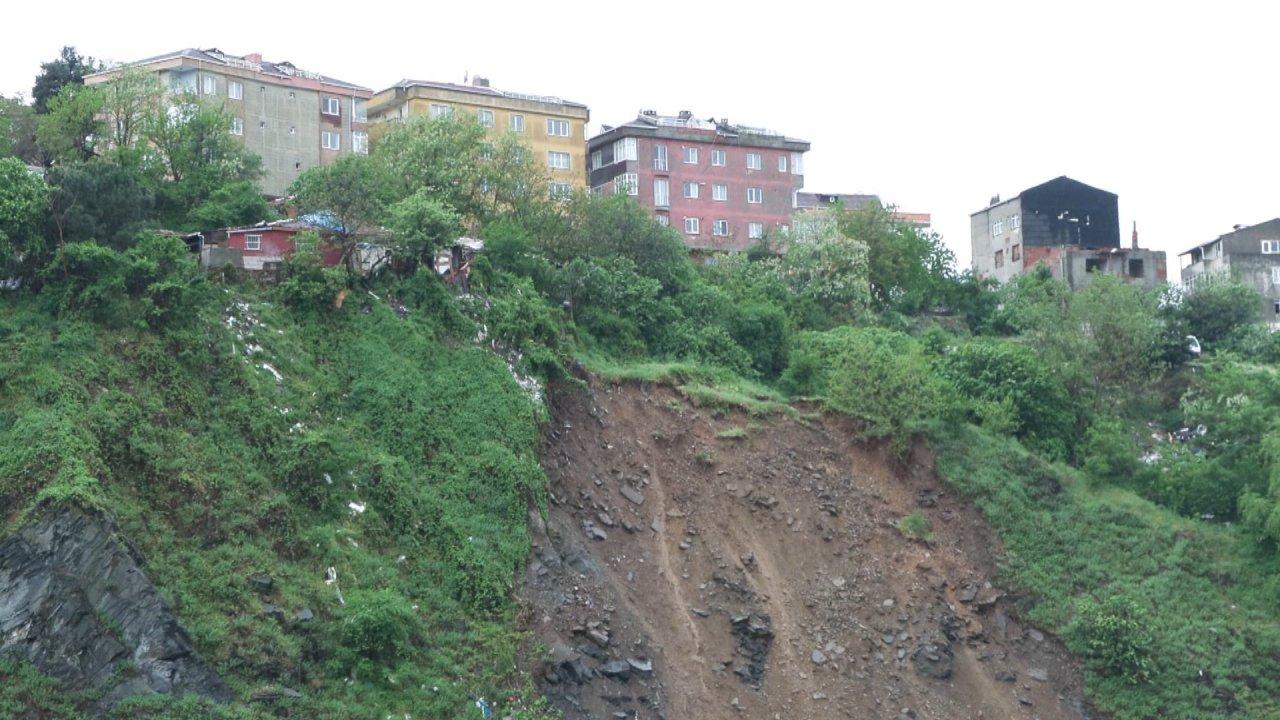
{"points": [[701, 563], [75, 603]]}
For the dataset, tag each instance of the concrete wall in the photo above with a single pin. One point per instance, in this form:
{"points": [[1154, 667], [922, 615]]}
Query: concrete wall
{"points": [[985, 243], [1239, 254]]}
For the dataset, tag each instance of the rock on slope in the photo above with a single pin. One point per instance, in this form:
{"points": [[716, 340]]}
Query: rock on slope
{"points": [[680, 575], [75, 603]]}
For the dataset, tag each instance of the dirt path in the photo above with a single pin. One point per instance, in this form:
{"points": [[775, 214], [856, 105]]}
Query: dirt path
{"points": [[682, 573]]}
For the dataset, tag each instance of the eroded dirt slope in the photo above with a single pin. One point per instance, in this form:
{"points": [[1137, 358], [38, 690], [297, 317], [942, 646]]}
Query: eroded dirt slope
{"points": [[683, 573]]}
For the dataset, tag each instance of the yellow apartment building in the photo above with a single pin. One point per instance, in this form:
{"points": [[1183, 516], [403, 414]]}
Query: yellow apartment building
{"points": [[553, 128]]}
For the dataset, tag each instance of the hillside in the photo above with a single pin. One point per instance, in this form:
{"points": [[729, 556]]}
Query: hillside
{"points": [[735, 566]]}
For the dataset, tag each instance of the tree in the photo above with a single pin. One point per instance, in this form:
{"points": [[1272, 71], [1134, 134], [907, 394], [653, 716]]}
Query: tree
{"points": [[18, 130], [191, 155], [1214, 309], [909, 270], [71, 127], [823, 264], [127, 101], [353, 193], [234, 204], [69, 68], [422, 224], [98, 201], [23, 199]]}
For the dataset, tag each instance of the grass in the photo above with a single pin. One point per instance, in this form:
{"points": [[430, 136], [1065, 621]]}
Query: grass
{"points": [[736, 432], [916, 527], [1210, 599], [703, 385], [215, 470]]}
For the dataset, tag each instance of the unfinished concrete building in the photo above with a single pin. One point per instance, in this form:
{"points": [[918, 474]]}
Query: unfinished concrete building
{"points": [[1065, 225], [1249, 254]]}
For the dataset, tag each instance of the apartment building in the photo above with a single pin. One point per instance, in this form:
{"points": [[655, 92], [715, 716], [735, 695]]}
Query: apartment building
{"points": [[724, 186], [1249, 254], [554, 129], [810, 202], [294, 119], [1068, 226]]}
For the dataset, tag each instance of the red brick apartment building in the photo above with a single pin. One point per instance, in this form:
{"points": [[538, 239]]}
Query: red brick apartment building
{"points": [[724, 186]]}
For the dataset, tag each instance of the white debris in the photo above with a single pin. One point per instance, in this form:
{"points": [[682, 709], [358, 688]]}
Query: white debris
{"points": [[267, 366], [331, 576], [328, 479], [356, 507]]}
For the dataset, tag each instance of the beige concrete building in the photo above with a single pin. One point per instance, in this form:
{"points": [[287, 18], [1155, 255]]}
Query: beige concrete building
{"points": [[553, 128], [292, 118]]}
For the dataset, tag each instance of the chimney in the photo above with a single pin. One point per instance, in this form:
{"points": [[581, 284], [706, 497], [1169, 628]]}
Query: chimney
{"points": [[995, 199], [477, 81], [1135, 234], [686, 115], [1237, 226], [255, 58], [649, 113]]}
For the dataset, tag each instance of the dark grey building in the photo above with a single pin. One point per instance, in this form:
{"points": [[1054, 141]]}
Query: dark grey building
{"points": [[1250, 254], [1064, 224]]}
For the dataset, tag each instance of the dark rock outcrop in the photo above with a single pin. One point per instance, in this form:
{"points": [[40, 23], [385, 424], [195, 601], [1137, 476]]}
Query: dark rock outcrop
{"points": [[75, 603]]}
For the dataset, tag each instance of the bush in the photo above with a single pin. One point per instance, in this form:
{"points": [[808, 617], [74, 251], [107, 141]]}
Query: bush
{"points": [[1215, 309], [881, 377], [1113, 635], [305, 283], [995, 371], [378, 624], [1110, 453]]}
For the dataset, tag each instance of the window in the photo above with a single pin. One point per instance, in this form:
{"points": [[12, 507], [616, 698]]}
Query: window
{"points": [[235, 90], [997, 228], [1015, 222], [691, 155], [486, 118], [210, 85], [517, 123], [557, 160], [561, 190], [237, 126], [252, 242], [718, 158], [1015, 253], [691, 190], [782, 163], [627, 184], [1135, 268], [663, 220], [720, 192], [624, 149], [720, 227], [358, 111], [293, 130], [999, 260], [330, 140], [755, 196], [331, 106], [292, 95], [262, 124], [440, 110], [755, 230], [1270, 247], [1276, 307], [1275, 276], [661, 192], [360, 143], [797, 164], [597, 159], [557, 128], [660, 157], [692, 226], [1093, 265], [754, 162]]}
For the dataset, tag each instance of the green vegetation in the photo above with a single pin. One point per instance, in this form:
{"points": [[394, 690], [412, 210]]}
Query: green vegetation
{"points": [[916, 527], [386, 428]]}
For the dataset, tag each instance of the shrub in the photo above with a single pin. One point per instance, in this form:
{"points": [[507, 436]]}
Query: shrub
{"points": [[1113, 635], [305, 283], [916, 527], [1110, 453], [378, 624]]}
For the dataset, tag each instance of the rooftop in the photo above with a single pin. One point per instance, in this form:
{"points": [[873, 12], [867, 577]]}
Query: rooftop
{"points": [[1236, 229], [650, 122], [480, 86], [1060, 180], [283, 71]]}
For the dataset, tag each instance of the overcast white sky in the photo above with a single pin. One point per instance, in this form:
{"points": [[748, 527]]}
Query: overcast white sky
{"points": [[935, 106]]}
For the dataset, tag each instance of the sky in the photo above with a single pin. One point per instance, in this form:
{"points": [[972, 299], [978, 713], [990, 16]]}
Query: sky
{"points": [[933, 106]]}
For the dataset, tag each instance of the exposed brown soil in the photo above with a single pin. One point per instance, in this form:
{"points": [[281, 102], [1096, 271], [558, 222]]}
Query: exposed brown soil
{"points": [[684, 575]]}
